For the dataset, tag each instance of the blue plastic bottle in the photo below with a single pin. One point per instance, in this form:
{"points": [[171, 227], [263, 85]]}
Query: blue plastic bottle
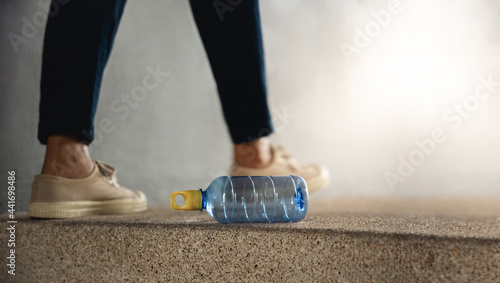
{"points": [[250, 199]]}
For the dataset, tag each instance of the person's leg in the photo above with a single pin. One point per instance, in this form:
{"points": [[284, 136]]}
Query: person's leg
{"points": [[231, 34], [66, 156], [232, 37], [254, 154], [78, 40]]}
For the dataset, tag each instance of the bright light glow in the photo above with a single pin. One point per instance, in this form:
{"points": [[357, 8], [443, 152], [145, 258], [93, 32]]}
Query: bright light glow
{"points": [[421, 62]]}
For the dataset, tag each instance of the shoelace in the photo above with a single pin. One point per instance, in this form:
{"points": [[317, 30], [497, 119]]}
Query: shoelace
{"points": [[287, 158], [111, 178]]}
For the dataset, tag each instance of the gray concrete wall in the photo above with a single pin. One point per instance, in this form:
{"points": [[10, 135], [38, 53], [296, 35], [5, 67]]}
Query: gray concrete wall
{"points": [[358, 114]]}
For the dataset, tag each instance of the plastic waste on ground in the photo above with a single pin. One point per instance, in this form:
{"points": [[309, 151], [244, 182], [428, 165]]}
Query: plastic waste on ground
{"points": [[249, 199]]}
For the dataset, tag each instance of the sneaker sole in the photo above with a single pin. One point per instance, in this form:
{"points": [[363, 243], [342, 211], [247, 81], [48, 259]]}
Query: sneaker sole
{"points": [[71, 209]]}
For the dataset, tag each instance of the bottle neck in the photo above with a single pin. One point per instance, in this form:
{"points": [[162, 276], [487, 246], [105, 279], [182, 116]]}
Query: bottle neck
{"points": [[203, 200]]}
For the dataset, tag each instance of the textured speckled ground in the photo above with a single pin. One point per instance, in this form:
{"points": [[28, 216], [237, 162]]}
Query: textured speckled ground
{"points": [[347, 240]]}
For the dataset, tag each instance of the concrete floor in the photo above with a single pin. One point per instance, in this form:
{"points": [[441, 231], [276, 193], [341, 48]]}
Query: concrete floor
{"points": [[347, 240]]}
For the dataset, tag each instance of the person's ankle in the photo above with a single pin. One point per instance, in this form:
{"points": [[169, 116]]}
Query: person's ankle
{"points": [[255, 154], [67, 157]]}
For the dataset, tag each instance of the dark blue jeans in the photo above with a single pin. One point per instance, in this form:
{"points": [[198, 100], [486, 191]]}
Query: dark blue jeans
{"points": [[78, 41]]}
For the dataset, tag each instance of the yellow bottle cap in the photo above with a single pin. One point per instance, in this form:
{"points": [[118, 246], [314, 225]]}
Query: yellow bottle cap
{"points": [[192, 200]]}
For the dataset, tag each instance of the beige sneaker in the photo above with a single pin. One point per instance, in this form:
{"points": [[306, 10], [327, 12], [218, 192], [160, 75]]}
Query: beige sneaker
{"points": [[282, 163], [99, 193]]}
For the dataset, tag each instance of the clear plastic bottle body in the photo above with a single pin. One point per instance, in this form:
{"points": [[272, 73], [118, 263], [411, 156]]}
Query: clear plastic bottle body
{"points": [[253, 199]]}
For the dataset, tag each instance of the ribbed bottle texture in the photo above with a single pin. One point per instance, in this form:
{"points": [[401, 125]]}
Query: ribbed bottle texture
{"points": [[254, 199]]}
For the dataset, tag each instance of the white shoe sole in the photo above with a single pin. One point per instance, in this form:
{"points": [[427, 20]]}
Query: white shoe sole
{"points": [[71, 209]]}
